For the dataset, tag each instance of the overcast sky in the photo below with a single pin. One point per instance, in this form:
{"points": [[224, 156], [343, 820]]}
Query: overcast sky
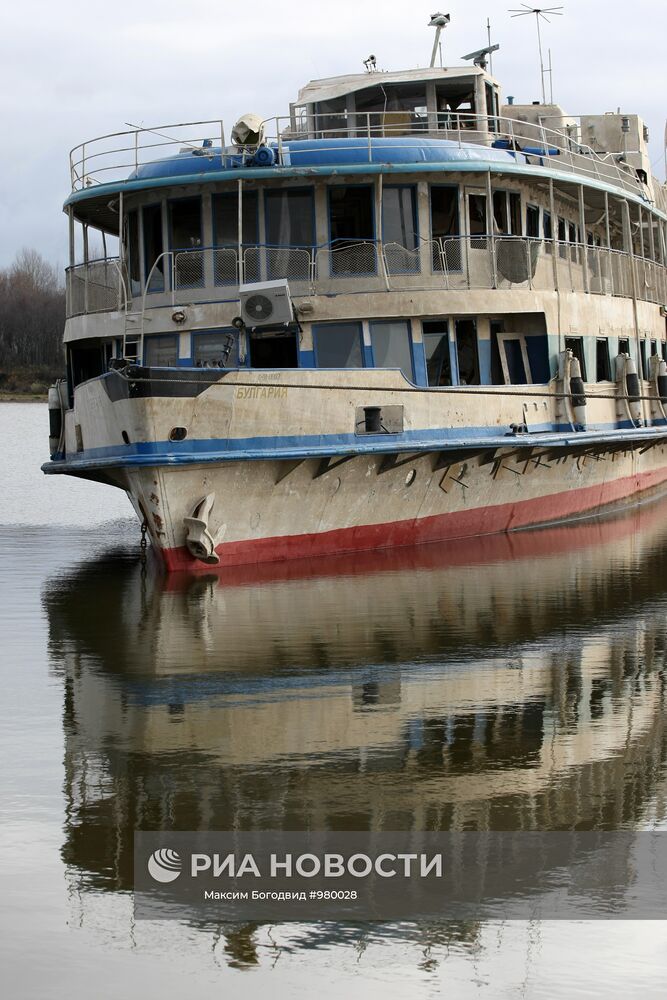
{"points": [[76, 69]]}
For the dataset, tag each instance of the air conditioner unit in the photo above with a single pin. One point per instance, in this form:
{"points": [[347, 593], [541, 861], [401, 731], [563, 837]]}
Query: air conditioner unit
{"points": [[266, 303]]}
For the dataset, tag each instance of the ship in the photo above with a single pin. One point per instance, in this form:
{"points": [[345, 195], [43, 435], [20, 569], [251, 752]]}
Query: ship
{"points": [[410, 310]]}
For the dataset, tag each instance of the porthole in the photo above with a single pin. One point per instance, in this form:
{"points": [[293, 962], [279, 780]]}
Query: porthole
{"points": [[178, 434], [411, 476], [125, 436]]}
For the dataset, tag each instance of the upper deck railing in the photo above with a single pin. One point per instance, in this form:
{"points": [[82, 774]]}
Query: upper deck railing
{"points": [[455, 263], [114, 157]]}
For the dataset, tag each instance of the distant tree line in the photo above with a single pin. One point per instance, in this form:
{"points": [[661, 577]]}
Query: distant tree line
{"points": [[32, 317]]}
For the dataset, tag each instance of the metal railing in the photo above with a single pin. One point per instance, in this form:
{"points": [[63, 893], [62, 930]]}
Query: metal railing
{"points": [[114, 156], [453, 263], [98, 286]]}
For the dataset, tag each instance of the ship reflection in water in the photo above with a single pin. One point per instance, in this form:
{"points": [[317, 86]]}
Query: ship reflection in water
{"points": [[507, 682]]}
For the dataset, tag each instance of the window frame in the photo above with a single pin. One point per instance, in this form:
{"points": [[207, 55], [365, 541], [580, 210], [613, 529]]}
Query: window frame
{"points": [[177, 250], [412, 188], [148, 267], [150, 337], [196, 334], [440, 240], [330, 323], [301, 189], [388, 322], [508, 336], [352, 240]]}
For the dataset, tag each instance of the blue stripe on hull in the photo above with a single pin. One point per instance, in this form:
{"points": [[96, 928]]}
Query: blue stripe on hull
{"points": [[152, 453]]}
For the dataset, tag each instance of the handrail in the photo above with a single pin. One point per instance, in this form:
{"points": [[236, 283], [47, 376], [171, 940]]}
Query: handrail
{"points": [[96, 160], [457, 262]]}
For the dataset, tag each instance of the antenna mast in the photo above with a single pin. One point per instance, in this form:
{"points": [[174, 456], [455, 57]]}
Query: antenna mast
{"points": [[545, 13], [488, 37], [438, 21]]}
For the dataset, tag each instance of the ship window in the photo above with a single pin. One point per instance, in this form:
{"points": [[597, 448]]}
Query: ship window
{"points": [[642, 355], [500, 211], [466, 351], [654, 348], [371, 104], [390, 341], [506, 212], [185, 223], [548, 234], [576, 345], [602, 365], [435, 335], [153, 247], [664, 350], [623, 346], [226, 235], [532, 222], [218, 349], [331, 116], [445, 228], [351, 229], [514, 361], [477, 217], [134, 261], [399, 216], [338, 345], [226, 219], [562, 237], [657, 242], [456, 105], [161, 351], [351, 213], [491, 107], [185, 238], [290, 218], [405, 109], [86, 361], [573, 230]]}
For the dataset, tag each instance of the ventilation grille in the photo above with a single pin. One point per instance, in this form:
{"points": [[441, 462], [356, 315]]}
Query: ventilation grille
{"points": [[259, 307]]}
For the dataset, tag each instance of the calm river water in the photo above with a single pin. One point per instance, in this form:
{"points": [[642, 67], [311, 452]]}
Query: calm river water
{"points": [[509, 683]]}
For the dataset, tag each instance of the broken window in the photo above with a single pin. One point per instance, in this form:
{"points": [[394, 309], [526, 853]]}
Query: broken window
{"points": [[435, 335]]}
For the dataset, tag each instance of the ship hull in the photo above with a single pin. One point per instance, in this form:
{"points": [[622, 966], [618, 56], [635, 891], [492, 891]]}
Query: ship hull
{"points": [[236, 471], [276, 510]]}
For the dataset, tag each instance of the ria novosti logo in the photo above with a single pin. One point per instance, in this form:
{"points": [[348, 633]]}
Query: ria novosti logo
{"points": [[164, 865]]}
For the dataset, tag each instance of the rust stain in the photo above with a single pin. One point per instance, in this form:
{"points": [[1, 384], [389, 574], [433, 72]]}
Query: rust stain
{"points": [[154, 498], [158, 523]]}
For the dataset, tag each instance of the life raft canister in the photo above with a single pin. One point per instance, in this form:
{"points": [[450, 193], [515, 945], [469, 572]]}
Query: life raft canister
{"points": [[628, 388], [577, 393], [657, 375], [662, 382], [55, 418], [573, 408]]}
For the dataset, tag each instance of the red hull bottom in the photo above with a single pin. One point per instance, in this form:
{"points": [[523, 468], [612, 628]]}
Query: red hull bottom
{"points": [[442, 527]]}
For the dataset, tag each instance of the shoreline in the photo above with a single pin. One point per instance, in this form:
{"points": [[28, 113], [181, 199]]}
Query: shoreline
{"points": [[23, 397]]}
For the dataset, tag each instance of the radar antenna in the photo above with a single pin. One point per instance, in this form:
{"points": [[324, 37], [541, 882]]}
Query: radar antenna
{"points": [[544, 13], [479, 55], [438, 21]]}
